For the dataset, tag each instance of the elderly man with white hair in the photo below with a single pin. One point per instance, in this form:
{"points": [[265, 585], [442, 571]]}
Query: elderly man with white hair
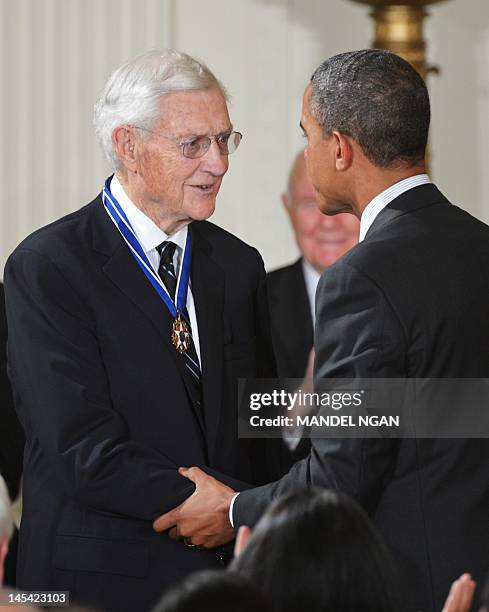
{"points": [[130, 322]]}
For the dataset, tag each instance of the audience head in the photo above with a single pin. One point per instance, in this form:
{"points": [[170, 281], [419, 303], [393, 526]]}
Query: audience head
{"points": [[322, 239], [6, 525], [213, 591], [316, 550]]}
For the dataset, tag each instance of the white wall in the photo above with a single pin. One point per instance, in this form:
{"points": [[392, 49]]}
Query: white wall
{"points": [[56, 54]]}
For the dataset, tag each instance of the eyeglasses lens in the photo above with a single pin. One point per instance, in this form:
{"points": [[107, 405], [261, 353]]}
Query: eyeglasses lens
{"points": [[199, 146]]}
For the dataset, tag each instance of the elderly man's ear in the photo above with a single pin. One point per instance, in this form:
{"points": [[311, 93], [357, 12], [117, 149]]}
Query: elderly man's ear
{"points": [[124, 143], [244, 534]]}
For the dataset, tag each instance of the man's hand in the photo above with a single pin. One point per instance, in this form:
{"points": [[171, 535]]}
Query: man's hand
{"points": [[203, 518]]}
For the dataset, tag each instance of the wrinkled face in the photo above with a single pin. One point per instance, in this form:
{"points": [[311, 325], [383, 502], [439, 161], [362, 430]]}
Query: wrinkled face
{"points": [[322, 239], [320, 159], [185, 188]]}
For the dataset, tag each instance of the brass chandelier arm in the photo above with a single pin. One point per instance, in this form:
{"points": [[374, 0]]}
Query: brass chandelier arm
{"points": [[399, 28]]}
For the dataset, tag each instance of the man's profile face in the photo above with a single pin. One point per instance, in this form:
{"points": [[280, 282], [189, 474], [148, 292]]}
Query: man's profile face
{"points": [[186, 188], [320, 162], [322, 239]]}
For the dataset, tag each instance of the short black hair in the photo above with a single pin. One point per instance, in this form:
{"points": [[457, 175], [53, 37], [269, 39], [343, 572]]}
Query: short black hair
{"points": [[213, 591], [317, 550], [378, 99]]}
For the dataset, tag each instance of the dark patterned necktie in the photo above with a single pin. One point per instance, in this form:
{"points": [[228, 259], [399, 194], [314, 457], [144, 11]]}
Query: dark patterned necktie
{"points": [[167, 274]]}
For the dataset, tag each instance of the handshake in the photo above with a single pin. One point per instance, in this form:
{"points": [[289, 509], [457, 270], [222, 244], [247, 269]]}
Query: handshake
{"points": [[202, 519]]}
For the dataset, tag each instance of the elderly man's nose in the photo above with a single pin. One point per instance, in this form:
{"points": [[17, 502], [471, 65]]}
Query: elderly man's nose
{"points": [[328, 221], [213, 161]]}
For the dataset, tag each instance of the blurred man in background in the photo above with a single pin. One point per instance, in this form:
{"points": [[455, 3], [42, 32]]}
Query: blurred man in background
{"points": [[322, 240]]}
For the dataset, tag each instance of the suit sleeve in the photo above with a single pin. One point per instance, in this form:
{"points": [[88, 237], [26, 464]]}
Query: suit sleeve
{"points": [[358, 335], [64, 399]]}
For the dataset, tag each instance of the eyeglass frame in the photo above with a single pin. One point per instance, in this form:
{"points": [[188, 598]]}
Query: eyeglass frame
{"points": [[179, 143]]}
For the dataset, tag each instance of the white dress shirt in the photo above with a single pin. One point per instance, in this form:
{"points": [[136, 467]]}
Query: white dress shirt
{"points": [[311, 278], [150, 236], [380, 201]]}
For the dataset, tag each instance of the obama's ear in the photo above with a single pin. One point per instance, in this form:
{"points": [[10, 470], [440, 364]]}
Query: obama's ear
{"points": [[343, 151]]}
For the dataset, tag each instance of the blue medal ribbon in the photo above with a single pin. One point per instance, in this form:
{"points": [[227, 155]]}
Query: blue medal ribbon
{"points": [[118, 216]]}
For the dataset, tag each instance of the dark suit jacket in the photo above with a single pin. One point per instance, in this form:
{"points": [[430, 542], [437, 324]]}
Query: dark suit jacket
{"points": [[292, 336], [411, 300], [291, 321], [11, 440], [108, 413], [11, 433]]}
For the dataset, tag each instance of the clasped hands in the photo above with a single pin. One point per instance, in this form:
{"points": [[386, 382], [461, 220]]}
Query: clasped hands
{"points": [[203, 518]]}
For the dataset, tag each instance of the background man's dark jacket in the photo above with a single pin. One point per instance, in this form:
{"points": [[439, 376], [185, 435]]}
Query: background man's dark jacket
{"points": [[411, 300], [292, 336], [291, 321], [107, 409]]}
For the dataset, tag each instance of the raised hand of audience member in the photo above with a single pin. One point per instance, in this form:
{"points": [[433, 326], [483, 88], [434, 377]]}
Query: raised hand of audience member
{"points": [[461, 595]]}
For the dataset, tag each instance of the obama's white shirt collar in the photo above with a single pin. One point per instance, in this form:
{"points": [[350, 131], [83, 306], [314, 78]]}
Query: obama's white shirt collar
{"points": [[375, 206]]}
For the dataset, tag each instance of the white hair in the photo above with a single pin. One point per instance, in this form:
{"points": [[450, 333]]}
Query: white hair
{"points": [[6, 520], [131, 95]]}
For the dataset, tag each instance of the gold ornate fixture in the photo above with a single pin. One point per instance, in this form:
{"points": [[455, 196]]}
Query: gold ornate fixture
{"points": [[399, 28]]}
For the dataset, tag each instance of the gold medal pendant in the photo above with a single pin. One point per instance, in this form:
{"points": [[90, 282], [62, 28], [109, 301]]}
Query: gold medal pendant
{"points": [[180, 334]]}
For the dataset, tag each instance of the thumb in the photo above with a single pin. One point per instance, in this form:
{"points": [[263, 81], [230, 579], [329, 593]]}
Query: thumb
{"points": [[194, 473], [165, 521]]}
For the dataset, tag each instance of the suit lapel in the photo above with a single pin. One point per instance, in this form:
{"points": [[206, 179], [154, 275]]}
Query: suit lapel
{"points": [[124, 272], [208, 291]]}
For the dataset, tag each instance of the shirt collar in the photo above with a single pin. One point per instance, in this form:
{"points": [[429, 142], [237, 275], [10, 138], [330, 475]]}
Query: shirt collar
{"points": [[146, 230], [375, 206]]}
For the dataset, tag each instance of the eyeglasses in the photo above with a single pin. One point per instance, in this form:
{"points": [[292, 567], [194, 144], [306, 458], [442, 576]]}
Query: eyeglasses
{"points": [[199, 145]]}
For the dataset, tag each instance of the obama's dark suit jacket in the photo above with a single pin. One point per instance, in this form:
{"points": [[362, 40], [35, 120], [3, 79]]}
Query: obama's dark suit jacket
{"points": [[411, 300], [107, 407]]}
